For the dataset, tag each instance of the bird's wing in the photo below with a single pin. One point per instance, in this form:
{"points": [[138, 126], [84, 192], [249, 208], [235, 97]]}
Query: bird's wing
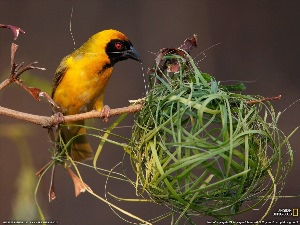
{"points": [[59, 74]]}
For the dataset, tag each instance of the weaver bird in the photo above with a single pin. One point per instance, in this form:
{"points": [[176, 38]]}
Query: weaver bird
{"points": [[80, 80]]}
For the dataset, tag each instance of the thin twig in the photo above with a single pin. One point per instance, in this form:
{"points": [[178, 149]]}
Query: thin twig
{"points": [[13, 50], [251, 102], [28, 67], [5, 83], [16, 70]]}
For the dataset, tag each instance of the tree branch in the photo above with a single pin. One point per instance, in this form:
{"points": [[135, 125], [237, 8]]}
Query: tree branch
{"points": [[49, 121]]}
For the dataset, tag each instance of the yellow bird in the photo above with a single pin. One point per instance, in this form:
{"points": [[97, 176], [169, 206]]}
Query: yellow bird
{"points": [[80, 80]]}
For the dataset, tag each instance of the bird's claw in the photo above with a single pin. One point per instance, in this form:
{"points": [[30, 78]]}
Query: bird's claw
{"points": [[105, 113], [58, 118]]}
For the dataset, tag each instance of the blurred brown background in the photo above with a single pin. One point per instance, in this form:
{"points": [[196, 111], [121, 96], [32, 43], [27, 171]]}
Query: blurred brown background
{"points": [[259, 45]]}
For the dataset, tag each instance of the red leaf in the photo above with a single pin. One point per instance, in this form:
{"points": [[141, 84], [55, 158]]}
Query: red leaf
{"points": [[16, 30], [187, 46], [189, 43], [35, 92]]}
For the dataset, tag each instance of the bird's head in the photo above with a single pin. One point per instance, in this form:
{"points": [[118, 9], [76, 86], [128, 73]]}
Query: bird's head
{"points": [[116, 46]]}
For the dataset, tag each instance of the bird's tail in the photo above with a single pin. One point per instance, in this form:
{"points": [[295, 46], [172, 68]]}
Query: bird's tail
{"points": [[79, 149]]}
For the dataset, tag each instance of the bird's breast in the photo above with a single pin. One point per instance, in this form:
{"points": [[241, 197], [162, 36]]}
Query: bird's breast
{"points": [[81, 87]]}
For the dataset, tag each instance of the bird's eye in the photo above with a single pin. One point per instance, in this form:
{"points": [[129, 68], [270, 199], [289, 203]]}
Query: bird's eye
{"points": [[118, 46]]}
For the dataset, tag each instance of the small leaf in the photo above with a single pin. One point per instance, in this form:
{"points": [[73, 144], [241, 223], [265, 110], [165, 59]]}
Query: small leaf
{"points": [[52, 194], [79, 185], [172, 65], [189, 43], [236, 87], [16, 30], [34, 92]]}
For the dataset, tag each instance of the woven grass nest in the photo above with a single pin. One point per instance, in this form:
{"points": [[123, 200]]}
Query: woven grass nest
{"points": [[204, 148]]}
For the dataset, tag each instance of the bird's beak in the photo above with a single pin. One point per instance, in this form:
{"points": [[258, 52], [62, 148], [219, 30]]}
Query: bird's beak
{"points": [[132, 54]]}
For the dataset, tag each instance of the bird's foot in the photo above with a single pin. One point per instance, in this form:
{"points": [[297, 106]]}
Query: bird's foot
{"points": [[58, 118], [105, 113]]}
